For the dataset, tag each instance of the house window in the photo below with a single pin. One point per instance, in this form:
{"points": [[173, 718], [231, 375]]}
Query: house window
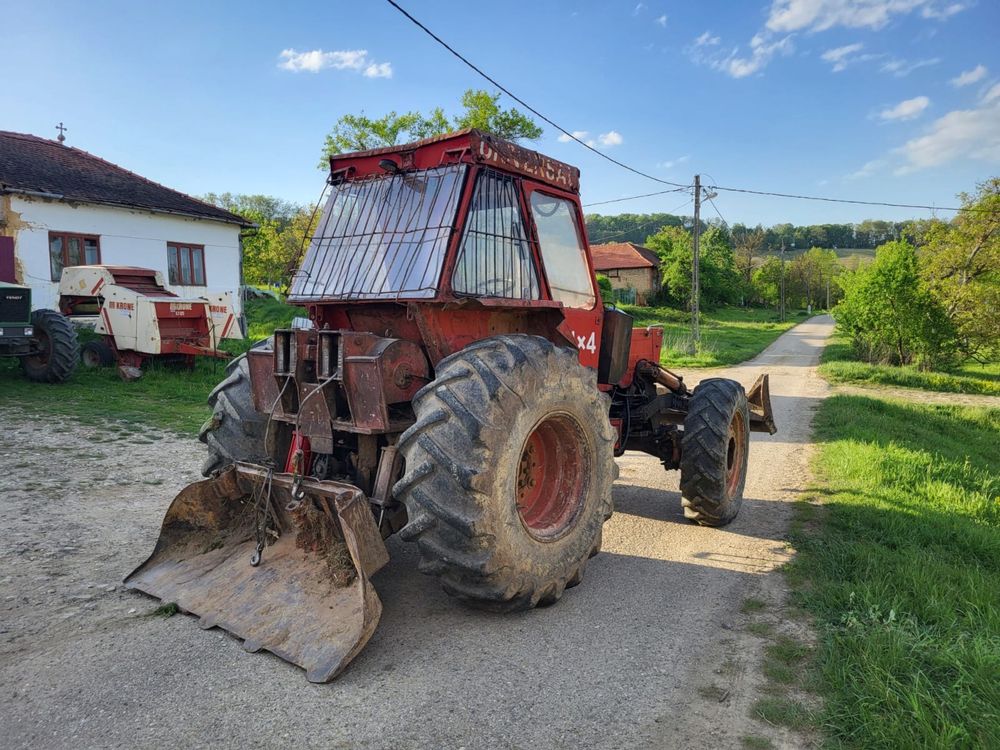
{"points": [[66, 249], [186, 264]]}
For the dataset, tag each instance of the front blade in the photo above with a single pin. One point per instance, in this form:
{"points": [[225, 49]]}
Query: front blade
{"points": [[310, 601], [759, 400]]}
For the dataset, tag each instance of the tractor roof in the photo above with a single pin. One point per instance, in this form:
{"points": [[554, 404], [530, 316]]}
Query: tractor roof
{"points": [[469, 146]]}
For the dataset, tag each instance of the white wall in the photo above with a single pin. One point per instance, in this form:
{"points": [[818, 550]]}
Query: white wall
{"points": [[128, 238]]}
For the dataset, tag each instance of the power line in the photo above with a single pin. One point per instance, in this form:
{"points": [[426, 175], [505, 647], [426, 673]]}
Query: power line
{"points": [[638, 227], [634, 197], [524, 104], [844, 200], [648, 176]]}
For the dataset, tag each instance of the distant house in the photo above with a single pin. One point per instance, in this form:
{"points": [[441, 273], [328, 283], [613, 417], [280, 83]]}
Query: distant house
{"points": [[60, 206], [629, 266]]}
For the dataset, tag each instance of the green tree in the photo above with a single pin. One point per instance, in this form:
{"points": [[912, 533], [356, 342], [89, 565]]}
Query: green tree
{"points": [[891, 314], [960, 261], [271, 248], [480, 109], [673, 246], [767, 281]]}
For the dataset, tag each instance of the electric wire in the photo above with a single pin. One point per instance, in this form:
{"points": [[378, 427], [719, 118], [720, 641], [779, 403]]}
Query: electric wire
{"points": [[634, 197], [524, 104]]}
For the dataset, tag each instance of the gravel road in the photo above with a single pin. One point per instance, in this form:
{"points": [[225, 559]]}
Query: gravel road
{"points": [[649, 651]]}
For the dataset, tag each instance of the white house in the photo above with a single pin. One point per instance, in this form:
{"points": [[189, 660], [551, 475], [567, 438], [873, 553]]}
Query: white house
{"points": [[61, 206]]}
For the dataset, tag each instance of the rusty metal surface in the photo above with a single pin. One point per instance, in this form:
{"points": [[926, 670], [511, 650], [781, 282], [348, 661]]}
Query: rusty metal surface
{"points": [[759, 400], [310, 601]]}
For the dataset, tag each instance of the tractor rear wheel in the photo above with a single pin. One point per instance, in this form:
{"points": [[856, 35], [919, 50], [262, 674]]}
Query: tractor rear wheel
{"points": [[58, 348], [235, 431], [714, 452], [509, 469]]}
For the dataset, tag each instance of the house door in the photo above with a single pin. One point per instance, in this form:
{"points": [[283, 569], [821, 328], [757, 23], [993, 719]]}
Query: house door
{"points": [[7, 259]]}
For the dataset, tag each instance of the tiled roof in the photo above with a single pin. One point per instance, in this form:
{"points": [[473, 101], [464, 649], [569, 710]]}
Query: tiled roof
{"points": [[613, 255], [38, 165]]}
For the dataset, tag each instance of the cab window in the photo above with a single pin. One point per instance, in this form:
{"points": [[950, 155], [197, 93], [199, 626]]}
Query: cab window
{"points": [[494, 259], [562, 251]]}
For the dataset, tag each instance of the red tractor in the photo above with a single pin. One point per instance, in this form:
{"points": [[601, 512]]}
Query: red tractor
{"points": [[463, 385]]}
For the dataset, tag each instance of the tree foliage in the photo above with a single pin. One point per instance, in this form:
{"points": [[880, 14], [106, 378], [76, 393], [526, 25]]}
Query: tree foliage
{"points": [[480, 109], [271, 248], [890, 312], [960, 261], [719, 280]]}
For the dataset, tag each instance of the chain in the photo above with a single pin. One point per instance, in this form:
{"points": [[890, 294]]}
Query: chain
{"points": [[263, 513]]}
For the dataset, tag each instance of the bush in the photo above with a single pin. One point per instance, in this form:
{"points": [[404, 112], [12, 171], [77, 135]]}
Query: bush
{"points": [[890, 314], [604, 284]]}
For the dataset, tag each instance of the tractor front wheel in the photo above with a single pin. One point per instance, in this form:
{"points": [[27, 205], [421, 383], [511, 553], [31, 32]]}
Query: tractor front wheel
{"points": [[714, 452], [509, 469], [58, 349], [235, 431]]}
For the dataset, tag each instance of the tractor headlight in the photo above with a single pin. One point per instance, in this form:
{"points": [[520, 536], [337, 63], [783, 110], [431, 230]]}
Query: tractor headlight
{"points": [[28, 331]]}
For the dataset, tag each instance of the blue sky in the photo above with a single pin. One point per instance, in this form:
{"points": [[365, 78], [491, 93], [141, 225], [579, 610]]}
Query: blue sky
{"points": [[895, 100]]}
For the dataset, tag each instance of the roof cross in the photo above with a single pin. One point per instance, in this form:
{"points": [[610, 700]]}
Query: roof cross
{"points": [[62, 129]]}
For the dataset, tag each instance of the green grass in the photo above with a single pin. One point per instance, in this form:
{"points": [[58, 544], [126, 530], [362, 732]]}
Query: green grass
{"points": [[729, 335], [900, 570], [165, 397], [839, 365]]}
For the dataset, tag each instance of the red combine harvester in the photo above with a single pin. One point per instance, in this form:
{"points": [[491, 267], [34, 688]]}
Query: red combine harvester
{"points": [[464, 386]]}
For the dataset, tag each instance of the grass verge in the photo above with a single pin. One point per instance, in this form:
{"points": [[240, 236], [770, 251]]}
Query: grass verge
{"points": [[839, 365], [164, 397], [729, 335], [900, 569]]}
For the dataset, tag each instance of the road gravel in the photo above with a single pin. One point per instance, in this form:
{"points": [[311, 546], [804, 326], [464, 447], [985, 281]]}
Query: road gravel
{"points": [[650, 651]]}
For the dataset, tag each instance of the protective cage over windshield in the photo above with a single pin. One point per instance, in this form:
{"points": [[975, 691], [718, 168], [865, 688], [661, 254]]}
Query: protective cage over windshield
{"points": [[382, 237], [494, 259]]}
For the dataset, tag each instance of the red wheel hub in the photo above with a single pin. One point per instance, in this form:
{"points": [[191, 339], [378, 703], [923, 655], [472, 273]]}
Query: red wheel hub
{"points": [[553, 477], [735, 447]]}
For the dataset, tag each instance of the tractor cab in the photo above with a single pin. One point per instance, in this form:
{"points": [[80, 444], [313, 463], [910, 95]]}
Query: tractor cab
{"points": [[468, 223]]}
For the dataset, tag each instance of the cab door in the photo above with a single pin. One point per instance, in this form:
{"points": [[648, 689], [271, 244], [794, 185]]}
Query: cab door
{"points": [[558, 228]]}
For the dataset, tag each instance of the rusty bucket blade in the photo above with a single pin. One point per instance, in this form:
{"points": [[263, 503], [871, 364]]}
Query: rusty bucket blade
{"points": [[309, 601], [759, 401]]}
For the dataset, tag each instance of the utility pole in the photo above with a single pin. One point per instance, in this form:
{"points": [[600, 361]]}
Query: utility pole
{"points": [[782, 279], [695, 280], [828, 294]]}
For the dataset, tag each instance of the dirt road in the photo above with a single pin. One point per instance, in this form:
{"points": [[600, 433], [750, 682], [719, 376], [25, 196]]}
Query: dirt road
{"points": [[648, 652]]}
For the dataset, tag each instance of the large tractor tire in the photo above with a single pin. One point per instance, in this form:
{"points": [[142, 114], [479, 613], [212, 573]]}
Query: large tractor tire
{"points": [[235, 431], [509, 469], [714, 452], [59, 349]]}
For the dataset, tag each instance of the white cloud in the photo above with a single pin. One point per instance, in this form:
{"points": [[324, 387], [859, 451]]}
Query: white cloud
{"points": [[867, 170], [906, 109], [762, 49], [662, 20], [638, 8], [611, 138], [992, 94], [819, 15], [947, 11], [671, 163], [902, 68], [578, 134], [317, 60], [841, 57], [378, 70], [706, 40], [969, 77], [961, 134]]}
